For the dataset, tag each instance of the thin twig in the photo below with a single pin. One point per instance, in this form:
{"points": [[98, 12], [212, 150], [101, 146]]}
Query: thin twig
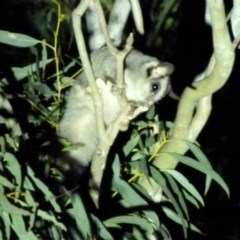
{"points": [[77, 27]]}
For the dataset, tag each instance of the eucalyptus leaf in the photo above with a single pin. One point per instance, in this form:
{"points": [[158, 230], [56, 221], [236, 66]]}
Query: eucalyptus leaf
{"points": [[151, 113], [201, 157], [185, 184], [55, 233], [178, 192], [7, 206], [143, 167], [44, 56], [129, 195], [21, 73], [14, 167], [102, 231], [175, 217], [157, 176], [165, 233], [43, 88], [191, 199], [5, 182], [202, 168], [133, 220], [131, 144], [48, 194], [7, 224], [17, 39], [48, 217], [18, 223], [29, 199], [137, 156], [81, 216]]}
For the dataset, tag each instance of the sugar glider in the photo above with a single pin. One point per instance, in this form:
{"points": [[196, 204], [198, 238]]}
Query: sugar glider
{"points": [[146, 79]]}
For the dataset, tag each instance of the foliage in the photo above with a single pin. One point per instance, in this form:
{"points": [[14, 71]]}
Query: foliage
{"points": [[31, 210]]}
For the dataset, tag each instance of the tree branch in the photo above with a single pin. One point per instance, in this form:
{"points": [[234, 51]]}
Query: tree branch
{"points": [[77, 27], [119, 55], [187, 124], [195, 104], [106, 140], [137, 16]]}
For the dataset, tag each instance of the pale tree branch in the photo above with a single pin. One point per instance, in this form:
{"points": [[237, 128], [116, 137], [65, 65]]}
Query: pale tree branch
{"points": [[127, 113], [77, 27], [195, 104], [186, 125], [137, 16], [119, 55], [99, 160], [106, 140]]}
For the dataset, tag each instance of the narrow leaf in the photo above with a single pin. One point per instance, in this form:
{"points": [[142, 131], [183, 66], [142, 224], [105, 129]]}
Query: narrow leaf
{"points": [[14, 167], [175, 217], [157, 176], [185, 184], [131, 144], [102, 231], [81, 216], [133, 220], [48, 217], [17, 39], [202, 168], [49, 195]]}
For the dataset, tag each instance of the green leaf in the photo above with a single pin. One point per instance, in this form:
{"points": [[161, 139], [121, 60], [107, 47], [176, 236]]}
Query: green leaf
{"points": [[127, 192], [17, 39], [46, 216], [55, 233], [43, 88], [190, 198], [21, 73], [137, 156], [150, 141], [150, 113], [175, 217], [185, 184], [28, 185], [131, 144], [6, 206], [165, 233], [12, 142], [19, 224], [198, 153], [141, 190], [14, 167], [44, 56], [142, 124], [178, 192], [141, 145], [7, 224], [6, 183], [135, 235], [144, 167], [49, 195], [129, 195], [29, 199], [157, 176], [202, 168], [133, 220], [201, 157], [81, 216], [102, 231]]}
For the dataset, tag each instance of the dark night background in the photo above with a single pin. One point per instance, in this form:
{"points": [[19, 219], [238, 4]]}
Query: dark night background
{"points": [[190, 49]]}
